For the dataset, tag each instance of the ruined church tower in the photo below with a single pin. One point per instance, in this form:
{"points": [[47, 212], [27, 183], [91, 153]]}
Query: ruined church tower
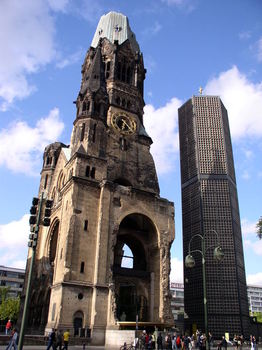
{"points": [[106, 255]]}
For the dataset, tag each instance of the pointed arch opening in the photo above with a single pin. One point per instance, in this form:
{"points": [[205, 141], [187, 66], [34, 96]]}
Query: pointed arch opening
{"points": [[135, 268], [53, 243]]}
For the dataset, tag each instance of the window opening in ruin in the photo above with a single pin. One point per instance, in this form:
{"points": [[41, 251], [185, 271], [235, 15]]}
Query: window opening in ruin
{"points": [[122, 182], [119, 68], [45, 183], [127, 257], [82, 128], [123, 144], [53, 244], [87, 171], [82, 267], [94, 133], [93, 172], [86, 225], [107, 69]]}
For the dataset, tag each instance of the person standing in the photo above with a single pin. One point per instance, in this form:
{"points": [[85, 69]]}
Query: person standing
{"points": [[224, 343], [8, 327], [66, 339], [159, 341]]}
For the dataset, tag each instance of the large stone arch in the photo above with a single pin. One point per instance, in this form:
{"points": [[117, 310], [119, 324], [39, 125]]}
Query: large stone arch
{"points": [[135, 290]]}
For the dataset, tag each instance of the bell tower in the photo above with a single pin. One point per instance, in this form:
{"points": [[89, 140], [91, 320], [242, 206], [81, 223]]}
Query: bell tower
{"points": [[107, 251]]}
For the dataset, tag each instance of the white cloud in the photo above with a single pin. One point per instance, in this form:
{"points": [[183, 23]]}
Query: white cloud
{"points": [[248, 153], [22, 146], [189, 5], [90, 10], [255, 279], [242, 99], [248, 228], [58, 5], [244, 35], [162, 126], [26, 42], [177, 272], [13, 238], [71, 59], [154, 29], [245, 175]]}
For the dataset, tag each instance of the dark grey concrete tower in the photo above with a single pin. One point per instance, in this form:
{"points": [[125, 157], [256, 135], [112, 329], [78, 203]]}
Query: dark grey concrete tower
{"points": [[209, 202]]}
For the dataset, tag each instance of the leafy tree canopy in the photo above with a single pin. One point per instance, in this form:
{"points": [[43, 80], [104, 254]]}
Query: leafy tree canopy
{"points": [[9, 307], [259, 228], [258, 316]]}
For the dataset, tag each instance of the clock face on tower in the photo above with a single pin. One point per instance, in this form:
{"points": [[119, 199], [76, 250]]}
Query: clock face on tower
{"points": [[123, 123]]}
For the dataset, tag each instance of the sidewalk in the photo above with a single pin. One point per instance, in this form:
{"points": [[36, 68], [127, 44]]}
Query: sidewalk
{"points": [[73, 347]]}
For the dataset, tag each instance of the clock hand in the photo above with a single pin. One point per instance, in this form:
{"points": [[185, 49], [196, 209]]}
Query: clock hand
{"points": [[129, 127]]}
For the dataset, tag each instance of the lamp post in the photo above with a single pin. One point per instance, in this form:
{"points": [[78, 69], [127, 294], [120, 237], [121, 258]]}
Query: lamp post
{"points": [[190, 263]]}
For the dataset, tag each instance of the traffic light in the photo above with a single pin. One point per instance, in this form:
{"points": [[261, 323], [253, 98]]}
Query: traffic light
{"points": [[33, 211], [48, 206]]}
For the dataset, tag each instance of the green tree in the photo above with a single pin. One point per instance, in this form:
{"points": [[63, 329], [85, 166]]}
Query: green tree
{"points": [[258, 316], [259, 228], [9, 307]]}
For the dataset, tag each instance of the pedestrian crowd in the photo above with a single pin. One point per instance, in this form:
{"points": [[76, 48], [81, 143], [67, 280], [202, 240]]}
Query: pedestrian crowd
{"points": [[199, 340], [57, 340]]}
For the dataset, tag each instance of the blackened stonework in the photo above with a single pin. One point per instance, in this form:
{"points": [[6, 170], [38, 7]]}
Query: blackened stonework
{"points": [[106, 200], [209, 202]]}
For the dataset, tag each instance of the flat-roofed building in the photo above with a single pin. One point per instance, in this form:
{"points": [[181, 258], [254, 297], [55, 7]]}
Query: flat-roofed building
{"points": [[254, 294], [14, 278]]}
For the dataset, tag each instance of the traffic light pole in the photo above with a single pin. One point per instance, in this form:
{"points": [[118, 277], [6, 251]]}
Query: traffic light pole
{"points": [[29, 280]]}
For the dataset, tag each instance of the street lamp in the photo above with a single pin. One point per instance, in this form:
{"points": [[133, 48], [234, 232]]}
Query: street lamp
{"points": [[218, 255]]}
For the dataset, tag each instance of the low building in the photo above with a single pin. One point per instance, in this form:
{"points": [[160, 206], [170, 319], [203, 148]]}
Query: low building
{"points": [[254, 294], [13, 278], [177, 304]]}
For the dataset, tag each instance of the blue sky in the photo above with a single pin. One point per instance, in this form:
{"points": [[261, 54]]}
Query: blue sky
{"points": [[186, 44]]}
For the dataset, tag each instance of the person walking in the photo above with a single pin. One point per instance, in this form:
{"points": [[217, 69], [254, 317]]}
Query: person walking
{"points": [[51, 340], [14, 340], [59, 340], [66, 339]]}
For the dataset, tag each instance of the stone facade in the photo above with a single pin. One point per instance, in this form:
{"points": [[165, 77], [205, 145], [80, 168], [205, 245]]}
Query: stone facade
{"points": [[106, 197]]}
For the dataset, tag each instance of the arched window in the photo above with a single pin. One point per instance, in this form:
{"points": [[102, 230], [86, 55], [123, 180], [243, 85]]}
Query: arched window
{"points": [[53, 244], [107, 69], [119, 70], [94, 133], [123, 77], [127, 257], [60, 181], [128, 75], [45, 183]]}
